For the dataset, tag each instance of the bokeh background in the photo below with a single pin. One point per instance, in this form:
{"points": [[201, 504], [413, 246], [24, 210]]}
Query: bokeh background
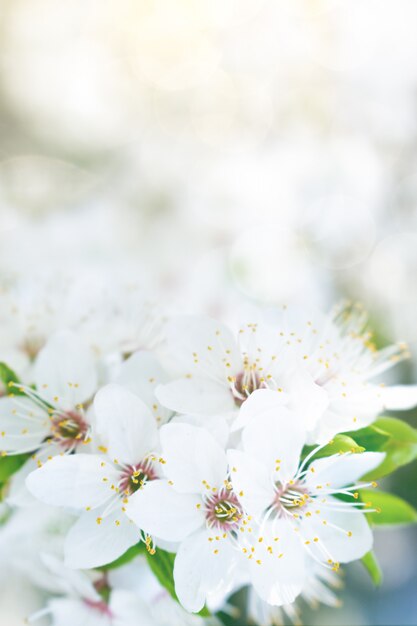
{"points": [[217, 152]]}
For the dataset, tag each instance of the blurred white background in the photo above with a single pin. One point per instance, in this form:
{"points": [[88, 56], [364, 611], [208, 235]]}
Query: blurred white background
{"points": [[214, 151]]}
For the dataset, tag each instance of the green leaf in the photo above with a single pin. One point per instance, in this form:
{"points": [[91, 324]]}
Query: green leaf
{"points": [[390, 509], [162, 565], [371, 438], [7, 377], [10, 464], [394, 437], [340, 443], [373, 568], [129, 555]]}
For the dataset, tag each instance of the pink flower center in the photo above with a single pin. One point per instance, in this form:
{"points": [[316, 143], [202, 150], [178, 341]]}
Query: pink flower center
{"points": [[290, 496], [69, 429], [245, 383], [223, 510], [134, 477]]}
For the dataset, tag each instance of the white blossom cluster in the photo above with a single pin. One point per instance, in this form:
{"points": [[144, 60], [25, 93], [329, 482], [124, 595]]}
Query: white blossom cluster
{"points": [[152, 450]]}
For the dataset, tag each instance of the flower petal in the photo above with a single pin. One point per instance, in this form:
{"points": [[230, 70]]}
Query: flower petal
{"points": [[399, 397], [196, 395], [341, 470], [23, 425], [194, 459], [346, 535], [277, 568], [260, 402], [199, 345], [125, 424], [129, 609], [91, 544], [76, 481], [71, 581], [69, 611], [251, 482], [18, 494], [202, 568], [65, 373], [276, 434], [164, 513], [141, 373], [217, 425], [307, 399]]}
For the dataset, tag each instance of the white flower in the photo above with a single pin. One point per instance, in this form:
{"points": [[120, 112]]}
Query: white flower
{"points": [[137, 577], [113, 316], [220, 371], [141, 373], [51, 419], [196, 507], [341, 358], [100, 485], [318, 589], [295, 505], [20, 550], [65, 378], [87, 602], [30, 311]]}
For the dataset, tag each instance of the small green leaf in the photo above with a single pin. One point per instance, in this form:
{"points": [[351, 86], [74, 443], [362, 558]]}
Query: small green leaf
{"points": [[340, 443], [396, 428], [129, 555], [394, 437], [7, 377], [162, 565], [373, 568], [10, 464], [390, 509], [371, 438]]}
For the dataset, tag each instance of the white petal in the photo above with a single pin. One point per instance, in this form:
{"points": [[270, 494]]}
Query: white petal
{"points": [[17, 492], [67, 612], [260, 402], [20, 444], [307, 399], [129, 609], [199, 571], [275, 435], [278, 574], [251, 482], [89, 544], [141, 374], [356, 409], [399, 397], [217, 425], [70, 580], [193, 457], [196, 395], [346, 536], [341, 470], [161, 511], [199, 345], [75, 481], [334, 422], [65, 370], [23, 425], [125, 424]]}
